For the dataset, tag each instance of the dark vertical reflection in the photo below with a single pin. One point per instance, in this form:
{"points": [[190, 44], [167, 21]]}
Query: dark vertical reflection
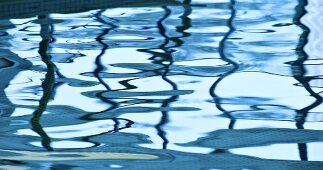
{"points": [[100, 39], [99, 69], [99, 66], [299, 72], [216, 98], [116, 124], [167, 57], [47, 85], [186, 24]]}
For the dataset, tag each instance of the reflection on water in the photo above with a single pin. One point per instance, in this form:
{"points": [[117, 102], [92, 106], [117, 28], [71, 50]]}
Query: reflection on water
{"points": [[190, 84]]}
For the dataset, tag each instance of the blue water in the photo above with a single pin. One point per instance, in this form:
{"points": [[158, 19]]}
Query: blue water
{"points": [[193, 84]]}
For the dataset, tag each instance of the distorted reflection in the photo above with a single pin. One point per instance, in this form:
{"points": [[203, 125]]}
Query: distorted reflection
{"points": [[190, 83]]}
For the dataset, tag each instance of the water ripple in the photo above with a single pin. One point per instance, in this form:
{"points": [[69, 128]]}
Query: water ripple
{"points": [[188, 84]]}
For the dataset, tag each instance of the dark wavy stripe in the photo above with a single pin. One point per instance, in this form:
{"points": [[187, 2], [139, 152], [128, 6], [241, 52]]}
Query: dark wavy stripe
{"points": [[186, 24], [222, 46], [164, 115], [299, 74], [47, 86], [100, 67], [298, 67]]}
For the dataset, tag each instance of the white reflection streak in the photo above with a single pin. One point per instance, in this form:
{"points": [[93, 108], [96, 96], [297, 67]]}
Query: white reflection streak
{"points": [[314, 21]]}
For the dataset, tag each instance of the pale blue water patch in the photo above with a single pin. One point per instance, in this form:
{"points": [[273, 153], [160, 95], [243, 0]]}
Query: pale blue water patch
{"points": [[230, 84]]}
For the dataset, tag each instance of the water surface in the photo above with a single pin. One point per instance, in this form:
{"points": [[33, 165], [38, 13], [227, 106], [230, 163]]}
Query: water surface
{"points": [[201, 84]]}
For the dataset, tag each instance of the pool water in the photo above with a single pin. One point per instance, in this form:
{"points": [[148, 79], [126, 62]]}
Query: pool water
{"points": [[194, 84]]}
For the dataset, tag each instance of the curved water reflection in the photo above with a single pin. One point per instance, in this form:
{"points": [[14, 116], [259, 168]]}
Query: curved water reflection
{"points": [[222, 53], [140, 83]]}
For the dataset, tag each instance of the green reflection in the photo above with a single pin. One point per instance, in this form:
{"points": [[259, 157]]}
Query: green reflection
{"points": [[47, 86]]}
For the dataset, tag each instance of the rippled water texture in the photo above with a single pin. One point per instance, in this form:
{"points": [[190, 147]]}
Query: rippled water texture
{"points": [[201, 84]]}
